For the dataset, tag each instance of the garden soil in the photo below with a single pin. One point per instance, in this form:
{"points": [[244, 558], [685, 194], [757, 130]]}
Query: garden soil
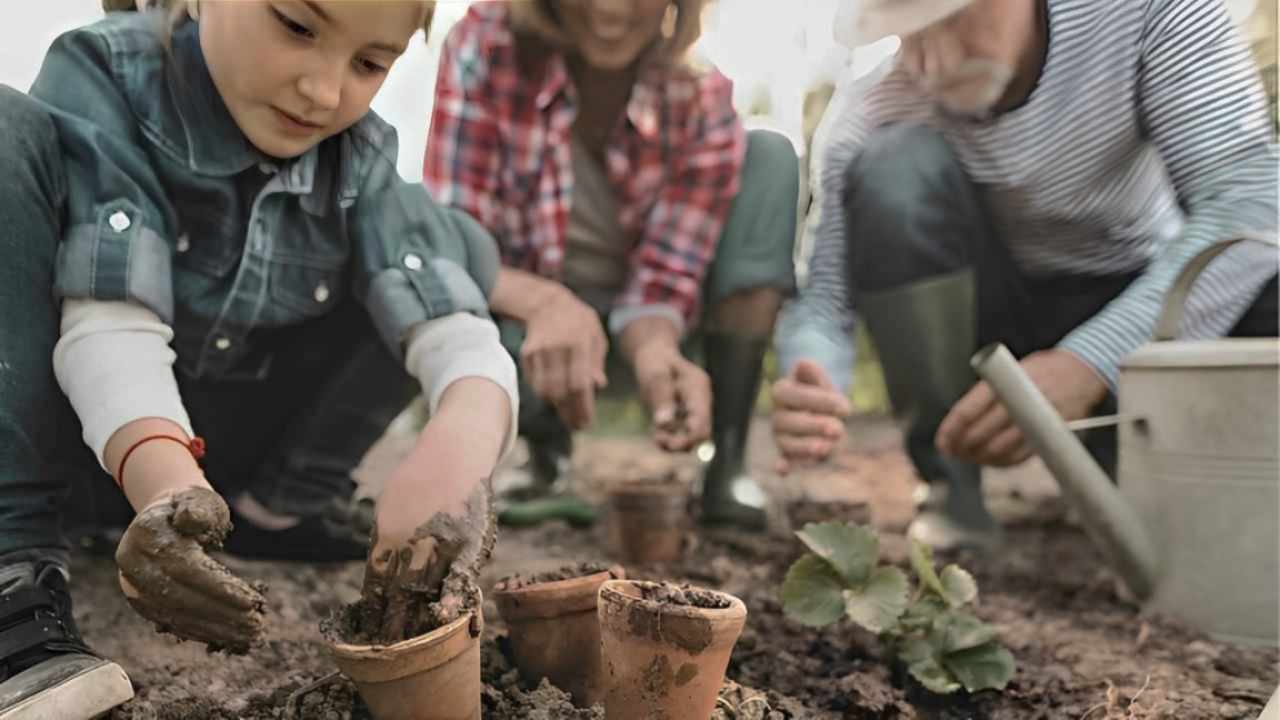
{"points": [[1084, 651]]}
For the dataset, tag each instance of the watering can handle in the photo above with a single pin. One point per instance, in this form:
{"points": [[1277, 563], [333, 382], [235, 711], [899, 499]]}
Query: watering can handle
{"points": [[1170, 322]]}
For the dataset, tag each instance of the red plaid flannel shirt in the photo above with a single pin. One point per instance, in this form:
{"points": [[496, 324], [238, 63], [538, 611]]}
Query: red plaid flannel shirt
{"points": [[499, 149]]}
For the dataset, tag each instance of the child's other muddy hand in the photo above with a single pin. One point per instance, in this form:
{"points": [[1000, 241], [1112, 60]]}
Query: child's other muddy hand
{"points": [[169, 578]]}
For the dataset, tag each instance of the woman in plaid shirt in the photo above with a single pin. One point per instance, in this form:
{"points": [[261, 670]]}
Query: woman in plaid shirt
{"points": [[623, 192]]}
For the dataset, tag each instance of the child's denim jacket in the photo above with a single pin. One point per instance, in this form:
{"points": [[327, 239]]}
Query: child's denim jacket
{"points": [[170, 206]]}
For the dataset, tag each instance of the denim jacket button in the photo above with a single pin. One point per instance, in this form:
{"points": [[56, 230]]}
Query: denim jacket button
{"points": [[222, 343], [413, 261], [322, 293], [119, 221]]}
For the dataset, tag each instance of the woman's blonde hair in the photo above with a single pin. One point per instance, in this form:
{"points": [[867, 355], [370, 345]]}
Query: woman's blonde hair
{"points": [[681, 28]]}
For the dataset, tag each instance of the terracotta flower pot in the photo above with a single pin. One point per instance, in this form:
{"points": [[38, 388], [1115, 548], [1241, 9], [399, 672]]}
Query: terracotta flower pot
{"points": [[665, 660], [555, 632], [431, 677], [648, 521]]}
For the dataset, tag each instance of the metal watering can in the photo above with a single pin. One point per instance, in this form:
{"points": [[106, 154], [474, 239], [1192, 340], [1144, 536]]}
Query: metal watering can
{"points": [[1193, 522]]}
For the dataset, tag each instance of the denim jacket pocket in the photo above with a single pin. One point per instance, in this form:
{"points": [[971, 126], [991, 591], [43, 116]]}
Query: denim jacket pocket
{"points": [[308, 286]]}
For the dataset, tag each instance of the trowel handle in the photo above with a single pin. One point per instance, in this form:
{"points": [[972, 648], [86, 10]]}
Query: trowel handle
{"points": [[1170, 322]]}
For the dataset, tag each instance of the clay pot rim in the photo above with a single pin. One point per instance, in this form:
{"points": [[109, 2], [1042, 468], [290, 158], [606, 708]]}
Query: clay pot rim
{"points": [[539, 591], [609, 591], [437, 637]]}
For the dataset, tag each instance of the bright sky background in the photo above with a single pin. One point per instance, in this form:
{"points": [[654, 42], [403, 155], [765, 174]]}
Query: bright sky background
{"points": [[765, 49]]}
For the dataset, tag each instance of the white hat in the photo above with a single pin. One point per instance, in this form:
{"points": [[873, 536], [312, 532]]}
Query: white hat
{"points": [[862, 22]]}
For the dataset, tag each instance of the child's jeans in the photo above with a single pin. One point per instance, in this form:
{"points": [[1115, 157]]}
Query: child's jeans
{"points": [[289, 423]]}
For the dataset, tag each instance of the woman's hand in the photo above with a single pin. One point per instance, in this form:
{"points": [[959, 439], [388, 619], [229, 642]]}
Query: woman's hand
{"points": [[676, 392], [564, 349], [433, 528]]}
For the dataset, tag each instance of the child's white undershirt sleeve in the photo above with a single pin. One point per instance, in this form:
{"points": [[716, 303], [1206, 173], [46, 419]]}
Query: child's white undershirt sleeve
{"points": [[115, 365], [114, 362], [441, 351]]}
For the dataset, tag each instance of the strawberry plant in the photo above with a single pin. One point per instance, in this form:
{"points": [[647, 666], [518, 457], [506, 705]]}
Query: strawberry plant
{"points": [[928, 628]]}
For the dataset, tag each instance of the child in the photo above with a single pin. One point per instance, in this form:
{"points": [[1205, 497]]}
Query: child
{"points": [[204, 231]]}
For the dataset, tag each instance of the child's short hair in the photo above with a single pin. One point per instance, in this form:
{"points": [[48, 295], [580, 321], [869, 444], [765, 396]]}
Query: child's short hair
{"points": [[540, 20], [177, 10]]}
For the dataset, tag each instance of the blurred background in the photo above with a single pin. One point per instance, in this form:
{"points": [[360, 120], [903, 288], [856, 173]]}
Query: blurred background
{"points": [[782, 57]]}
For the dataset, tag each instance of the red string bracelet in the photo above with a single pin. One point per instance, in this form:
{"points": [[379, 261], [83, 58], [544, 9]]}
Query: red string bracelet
{"points": [[195, 447]]}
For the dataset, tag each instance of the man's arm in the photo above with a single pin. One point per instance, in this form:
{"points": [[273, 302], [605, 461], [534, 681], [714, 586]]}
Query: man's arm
{"points": [[1203, 107], [818, 324]]}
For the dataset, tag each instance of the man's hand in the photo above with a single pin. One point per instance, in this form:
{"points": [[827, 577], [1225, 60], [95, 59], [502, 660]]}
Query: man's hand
{"points": [[808, 416], [563, 356], [169, 578], [677, 394], [979, 429]]}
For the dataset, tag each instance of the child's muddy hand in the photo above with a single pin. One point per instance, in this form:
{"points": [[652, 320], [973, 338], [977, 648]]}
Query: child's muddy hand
{"points": [[169, 578], [428, 579]]}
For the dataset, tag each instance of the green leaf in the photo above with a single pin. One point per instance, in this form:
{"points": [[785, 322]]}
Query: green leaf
{"points": [[850, 549], [933, 676], [914, 650], [958, 586], [986, 667], [958, 630], [921, 614], [877, 605], [922, 563], [812, 592]]}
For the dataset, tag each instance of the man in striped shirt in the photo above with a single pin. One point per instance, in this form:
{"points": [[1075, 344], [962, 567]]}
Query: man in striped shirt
{"points": [[1034, 172]]}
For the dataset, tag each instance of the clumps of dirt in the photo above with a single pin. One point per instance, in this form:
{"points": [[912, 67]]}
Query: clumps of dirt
{"points": [[739, 703], [665, 593], [802, 511], [567, 572], [547, 702], [505, 698], [668, 481]]}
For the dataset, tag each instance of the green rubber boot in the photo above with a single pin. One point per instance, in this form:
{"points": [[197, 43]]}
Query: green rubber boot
{"points": [[925, 333], [731, 497], [549, 495]]}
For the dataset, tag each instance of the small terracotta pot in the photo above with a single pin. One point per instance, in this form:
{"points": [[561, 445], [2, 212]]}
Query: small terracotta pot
{"points": [[555, 633], [431, 677], [664, 661], [648, 521]]}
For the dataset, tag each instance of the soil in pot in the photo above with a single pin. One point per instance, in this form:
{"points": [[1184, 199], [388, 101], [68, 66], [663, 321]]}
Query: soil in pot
{"points": [[554, 630], [648, 521], [665, 648]]}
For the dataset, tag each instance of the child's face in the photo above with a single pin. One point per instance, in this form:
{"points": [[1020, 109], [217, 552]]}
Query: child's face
{"points": [[611, 34], [293, 72]]}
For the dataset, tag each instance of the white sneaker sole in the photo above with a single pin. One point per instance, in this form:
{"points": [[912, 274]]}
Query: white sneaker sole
{"points": [[87, 695]]}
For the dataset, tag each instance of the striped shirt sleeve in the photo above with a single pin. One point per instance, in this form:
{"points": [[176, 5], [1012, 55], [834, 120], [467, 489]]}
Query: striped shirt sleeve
{"points": [[1200, 102], [818, 324]]}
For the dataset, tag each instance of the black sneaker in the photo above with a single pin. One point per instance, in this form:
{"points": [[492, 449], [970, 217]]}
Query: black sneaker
{"points": [[46, 670]]}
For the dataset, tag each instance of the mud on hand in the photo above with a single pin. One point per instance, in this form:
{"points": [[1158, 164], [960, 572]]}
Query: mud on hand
{"points": [[169, 578], [429, 580]]}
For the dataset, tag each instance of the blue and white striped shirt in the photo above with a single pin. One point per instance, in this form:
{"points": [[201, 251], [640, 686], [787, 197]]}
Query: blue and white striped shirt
{"points": [[1145, 141]]}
